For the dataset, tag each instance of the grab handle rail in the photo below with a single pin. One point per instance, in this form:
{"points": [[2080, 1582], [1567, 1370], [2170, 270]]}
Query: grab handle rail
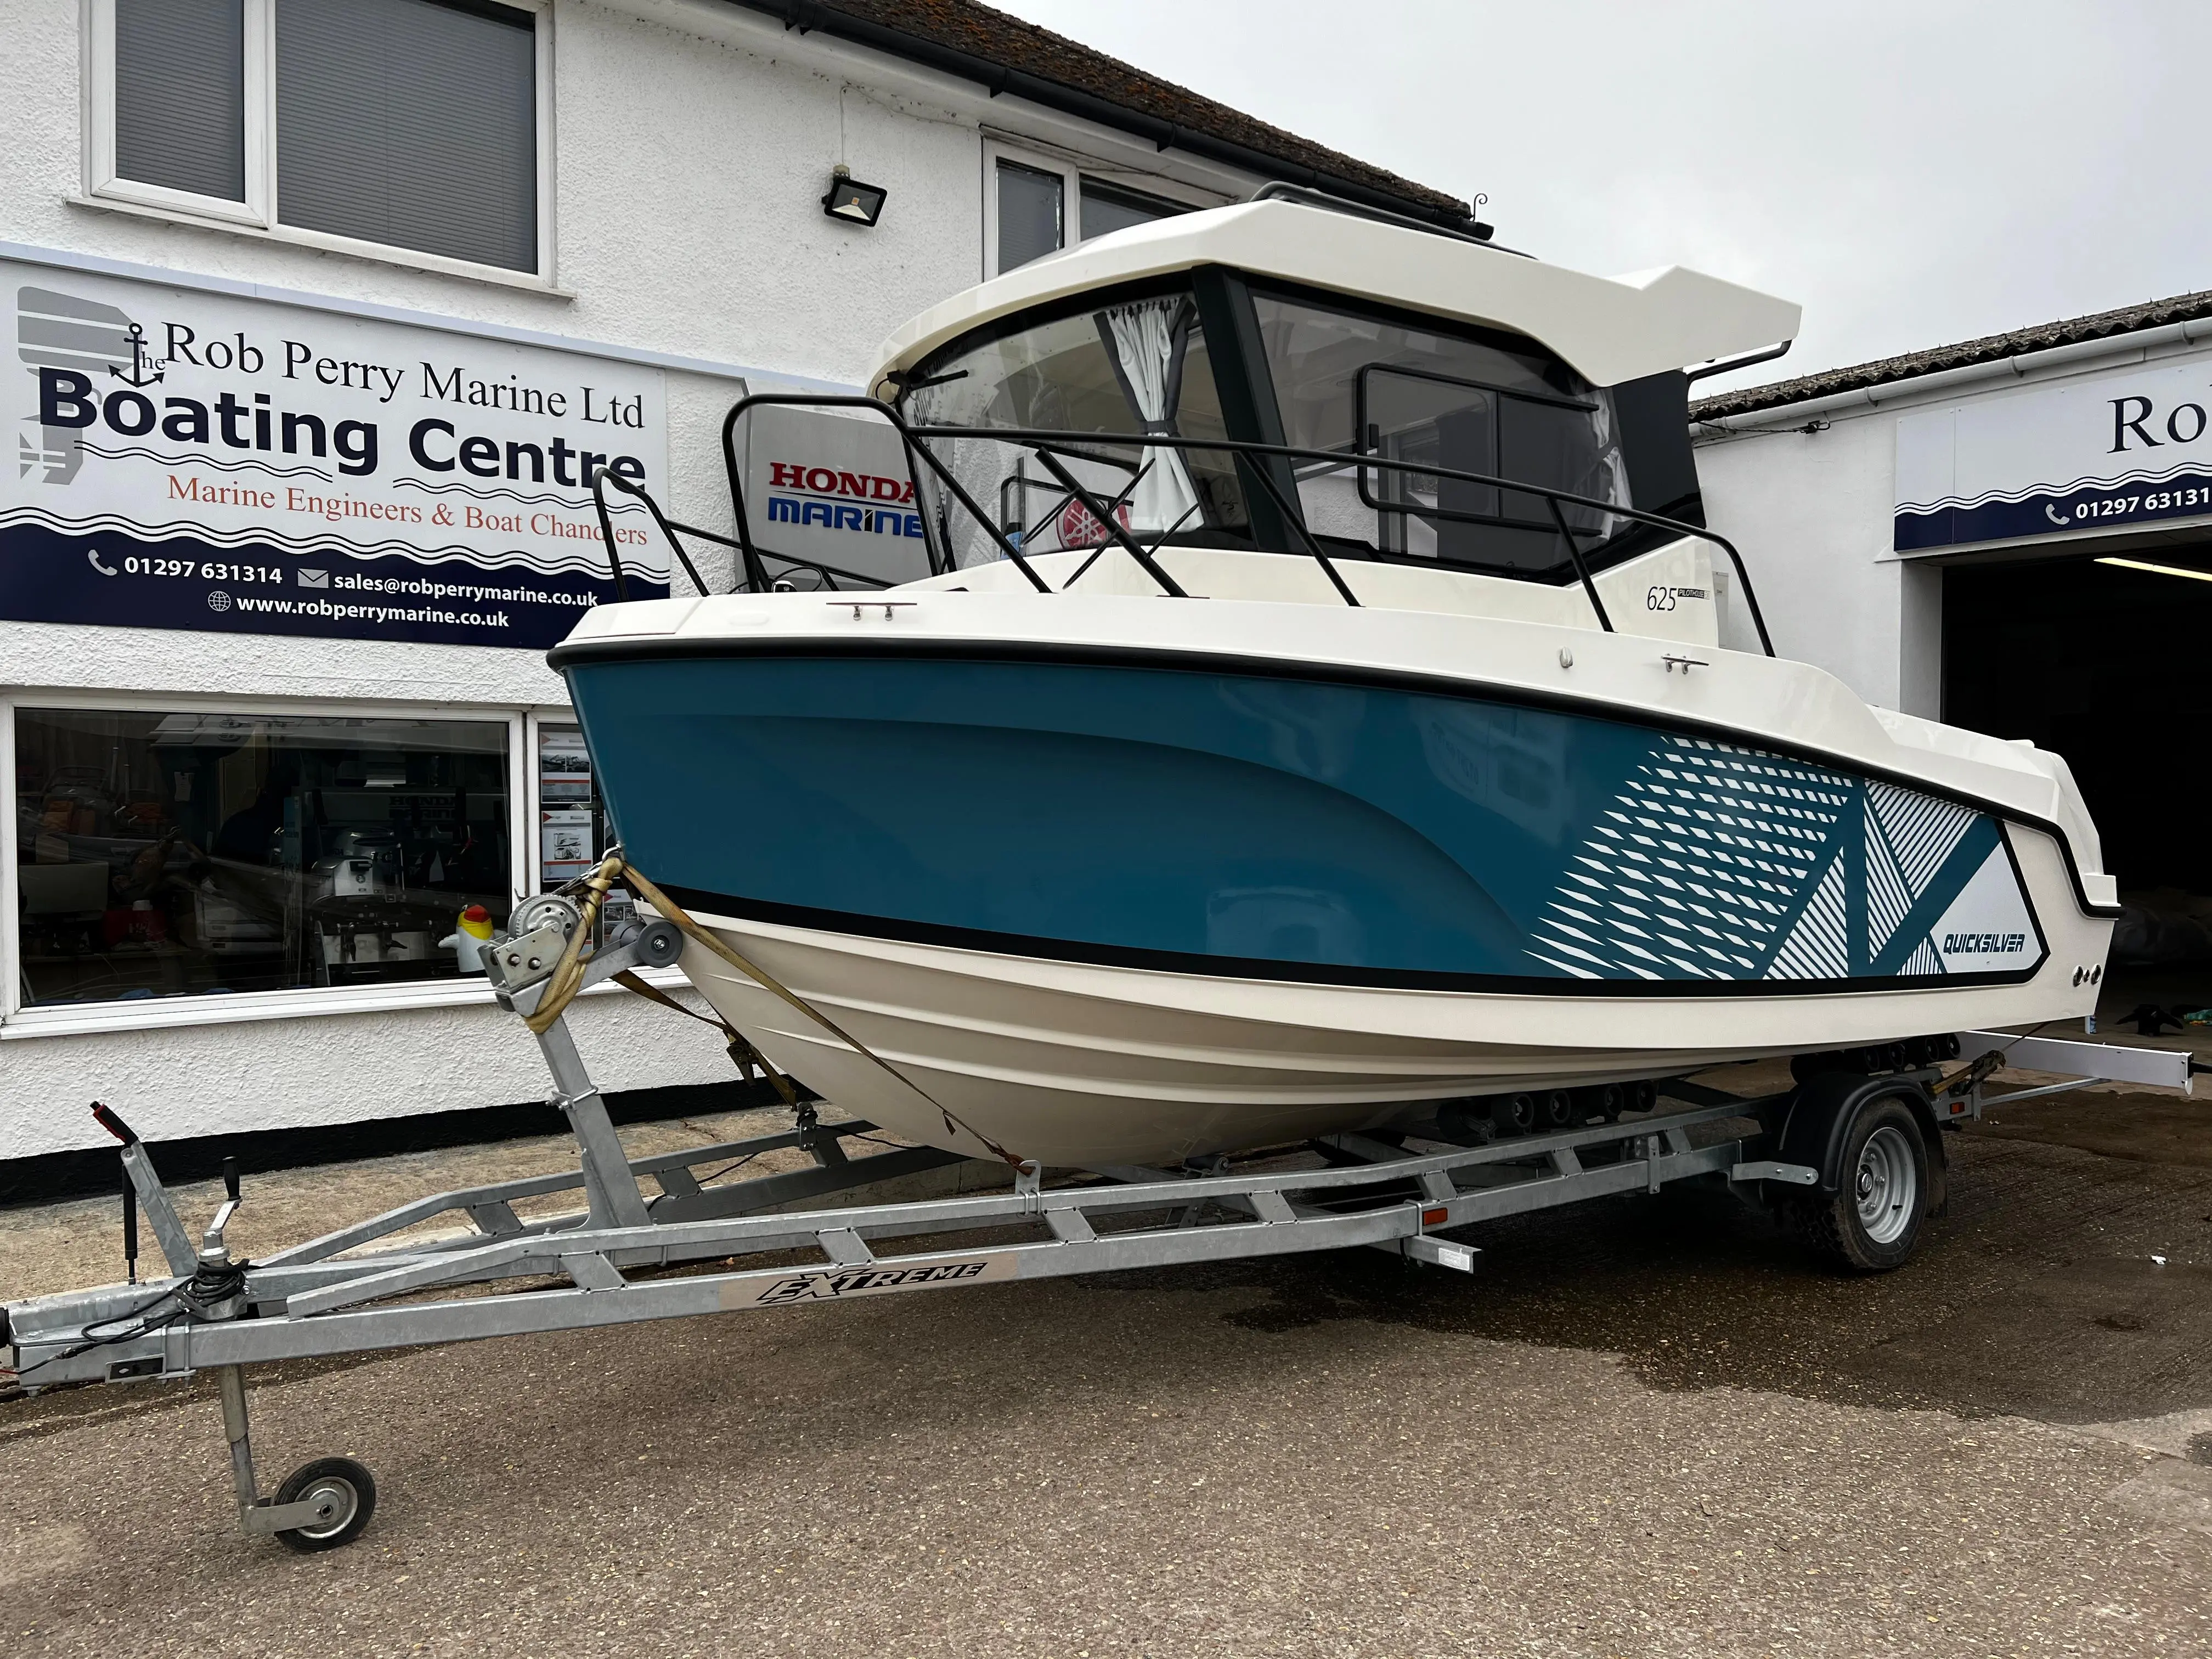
{"points": [[915, 440]]}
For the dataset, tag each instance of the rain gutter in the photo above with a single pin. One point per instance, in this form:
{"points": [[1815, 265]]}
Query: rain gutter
{"points": [[807, 16], [2138, 344]]}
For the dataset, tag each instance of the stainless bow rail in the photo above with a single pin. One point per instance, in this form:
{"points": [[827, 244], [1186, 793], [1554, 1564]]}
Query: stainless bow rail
{"points": [[839, 1229]]}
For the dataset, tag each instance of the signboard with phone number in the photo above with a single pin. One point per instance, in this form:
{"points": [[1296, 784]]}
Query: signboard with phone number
{"points": [[206, 461], [2093, 453]]}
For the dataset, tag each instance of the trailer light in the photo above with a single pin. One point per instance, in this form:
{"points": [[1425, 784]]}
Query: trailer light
{"points": [[849, 199], [1435, 1218]]}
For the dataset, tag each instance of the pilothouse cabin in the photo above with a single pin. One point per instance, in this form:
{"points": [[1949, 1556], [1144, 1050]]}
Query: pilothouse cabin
{"points": [[1281, 373]]}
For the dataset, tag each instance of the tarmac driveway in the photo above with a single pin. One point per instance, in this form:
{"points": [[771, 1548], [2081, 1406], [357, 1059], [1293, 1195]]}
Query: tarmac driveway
{"points": [[1642, 1427]]}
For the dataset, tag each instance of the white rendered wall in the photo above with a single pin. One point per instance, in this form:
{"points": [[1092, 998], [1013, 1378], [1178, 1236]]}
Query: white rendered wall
{"points": [[693, 142], [1811, 514]]}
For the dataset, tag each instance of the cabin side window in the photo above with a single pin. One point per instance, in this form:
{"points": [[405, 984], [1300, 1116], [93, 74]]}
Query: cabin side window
{"points": [[1135, 365], [1370, 386]]}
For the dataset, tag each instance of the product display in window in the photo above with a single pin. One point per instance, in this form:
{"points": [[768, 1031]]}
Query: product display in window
{"points": [[573, 832], [192, 853]]}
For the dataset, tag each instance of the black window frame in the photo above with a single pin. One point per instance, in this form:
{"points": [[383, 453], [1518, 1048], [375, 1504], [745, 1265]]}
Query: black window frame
{"points": [[1362, 427], [1238, 291], [1251, 413]]}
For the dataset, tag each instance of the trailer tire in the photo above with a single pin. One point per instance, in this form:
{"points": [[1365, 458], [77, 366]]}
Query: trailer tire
{"points": [[1871, 1222], [353, 1490]]}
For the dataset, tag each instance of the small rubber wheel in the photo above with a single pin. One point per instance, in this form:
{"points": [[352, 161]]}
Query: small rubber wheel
{"points": [[1871, 1223], [348, 1490], [1513, 1115]]}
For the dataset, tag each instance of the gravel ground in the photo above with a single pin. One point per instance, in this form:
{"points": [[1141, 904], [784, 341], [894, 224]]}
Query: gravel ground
{"points": [[1642, 1427]]}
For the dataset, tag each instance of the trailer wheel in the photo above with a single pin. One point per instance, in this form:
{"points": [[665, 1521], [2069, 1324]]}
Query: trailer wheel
{"points": [[1871, 1223], [351, 1493]]}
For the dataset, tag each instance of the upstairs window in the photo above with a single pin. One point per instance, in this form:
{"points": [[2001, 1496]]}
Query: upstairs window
{"points": [[403, 124], [180, 95], [1035, 205], [1032, 214]]}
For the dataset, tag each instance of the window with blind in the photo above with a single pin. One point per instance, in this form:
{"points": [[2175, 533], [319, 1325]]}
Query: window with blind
{"points": [[1037, 208], [409, 123]]}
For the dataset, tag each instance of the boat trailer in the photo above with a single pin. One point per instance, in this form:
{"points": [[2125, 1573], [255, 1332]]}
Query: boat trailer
{"points": [[695, 1243]]}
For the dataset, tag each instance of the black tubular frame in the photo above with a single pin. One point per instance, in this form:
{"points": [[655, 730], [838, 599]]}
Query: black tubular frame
{"points": [[757, 573], [1046, 445], [601, 477]]}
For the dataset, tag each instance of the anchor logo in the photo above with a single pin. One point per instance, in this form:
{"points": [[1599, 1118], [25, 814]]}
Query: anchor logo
{"points": [[139, 361]]}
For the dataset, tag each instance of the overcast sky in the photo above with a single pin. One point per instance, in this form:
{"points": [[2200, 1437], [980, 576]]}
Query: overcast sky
{"points": [[1913, 175]]}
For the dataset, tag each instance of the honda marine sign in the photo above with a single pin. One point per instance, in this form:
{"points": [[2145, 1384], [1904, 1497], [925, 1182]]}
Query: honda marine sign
{"points": [[203, 461]]}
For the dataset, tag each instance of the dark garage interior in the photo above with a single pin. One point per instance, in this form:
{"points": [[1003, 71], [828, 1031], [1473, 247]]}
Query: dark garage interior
{"points": [[2107, 664]]}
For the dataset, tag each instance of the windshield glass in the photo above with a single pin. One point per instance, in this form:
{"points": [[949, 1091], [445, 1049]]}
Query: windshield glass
{"points": [[1347, 381], [1131, 367]]}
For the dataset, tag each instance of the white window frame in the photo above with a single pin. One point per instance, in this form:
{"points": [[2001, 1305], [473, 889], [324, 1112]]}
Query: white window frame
{"points": [[261, 214], [1071, 168], [143, 1013]]}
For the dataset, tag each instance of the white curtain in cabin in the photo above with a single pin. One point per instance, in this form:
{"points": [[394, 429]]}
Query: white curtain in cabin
{"points": [[1147, 339]]}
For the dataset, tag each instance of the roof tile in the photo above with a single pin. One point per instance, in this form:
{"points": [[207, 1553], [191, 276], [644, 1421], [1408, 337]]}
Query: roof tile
{"points": [[1011, 43]]}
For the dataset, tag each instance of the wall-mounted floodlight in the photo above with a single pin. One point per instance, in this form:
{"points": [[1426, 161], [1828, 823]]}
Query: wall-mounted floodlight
{"points": [[849, 199]]}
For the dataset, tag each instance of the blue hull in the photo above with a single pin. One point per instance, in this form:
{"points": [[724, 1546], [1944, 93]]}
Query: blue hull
{"points": [[1233, 823]]}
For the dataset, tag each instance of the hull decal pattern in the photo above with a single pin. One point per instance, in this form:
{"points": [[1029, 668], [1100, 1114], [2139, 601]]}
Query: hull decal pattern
{"points": [[1718, 862], [1246, 825]]}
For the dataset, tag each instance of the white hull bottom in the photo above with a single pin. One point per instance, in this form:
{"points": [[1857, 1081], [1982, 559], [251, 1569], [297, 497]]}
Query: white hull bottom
{"points": [[1071, 1064]]}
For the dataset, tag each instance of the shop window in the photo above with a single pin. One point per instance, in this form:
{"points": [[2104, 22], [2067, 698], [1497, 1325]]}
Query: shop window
{"points": [[193, 854], [1033, 204], [406, 124], [572, 834]]}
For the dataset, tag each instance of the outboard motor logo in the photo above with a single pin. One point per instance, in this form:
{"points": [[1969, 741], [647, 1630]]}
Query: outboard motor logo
{"points": [[863, 503], [1983, 945]]}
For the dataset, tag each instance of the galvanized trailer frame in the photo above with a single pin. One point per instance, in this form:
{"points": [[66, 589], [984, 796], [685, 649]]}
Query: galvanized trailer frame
{"points": [[362, 1288]]}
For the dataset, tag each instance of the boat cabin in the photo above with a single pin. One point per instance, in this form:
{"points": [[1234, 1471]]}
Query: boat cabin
{"points": [[1279, 377]]}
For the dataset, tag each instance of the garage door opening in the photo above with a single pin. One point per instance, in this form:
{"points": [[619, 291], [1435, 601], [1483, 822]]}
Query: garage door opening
{"points": [[2108, 661]]}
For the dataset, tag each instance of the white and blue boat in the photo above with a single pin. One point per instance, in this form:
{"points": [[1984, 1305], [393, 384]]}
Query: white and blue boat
{"points": [[1312, 700]]}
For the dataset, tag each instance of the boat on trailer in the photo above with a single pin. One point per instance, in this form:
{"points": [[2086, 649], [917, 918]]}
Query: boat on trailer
{"points": [[1420, 867], [1312, 703]]}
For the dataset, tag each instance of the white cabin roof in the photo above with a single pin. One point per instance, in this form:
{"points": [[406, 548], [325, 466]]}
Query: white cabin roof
{"points": [[1611, 329]]}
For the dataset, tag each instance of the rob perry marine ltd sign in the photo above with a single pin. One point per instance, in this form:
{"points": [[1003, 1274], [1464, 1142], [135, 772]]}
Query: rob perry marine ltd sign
{"points": [[2093, 453], [198, 460]]}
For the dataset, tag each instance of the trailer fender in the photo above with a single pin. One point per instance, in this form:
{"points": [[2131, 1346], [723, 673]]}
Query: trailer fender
{"points": [[1817, 1123]]}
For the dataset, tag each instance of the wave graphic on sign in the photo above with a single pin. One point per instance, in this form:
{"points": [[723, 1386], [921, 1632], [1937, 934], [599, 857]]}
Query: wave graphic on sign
{"points": [[2029, 492], [132, 453], [555, 565], [544, 498]]}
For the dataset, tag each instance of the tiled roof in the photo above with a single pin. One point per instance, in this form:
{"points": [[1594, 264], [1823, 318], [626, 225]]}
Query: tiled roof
{"points": [[1007, 54], [1990, 348]]}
